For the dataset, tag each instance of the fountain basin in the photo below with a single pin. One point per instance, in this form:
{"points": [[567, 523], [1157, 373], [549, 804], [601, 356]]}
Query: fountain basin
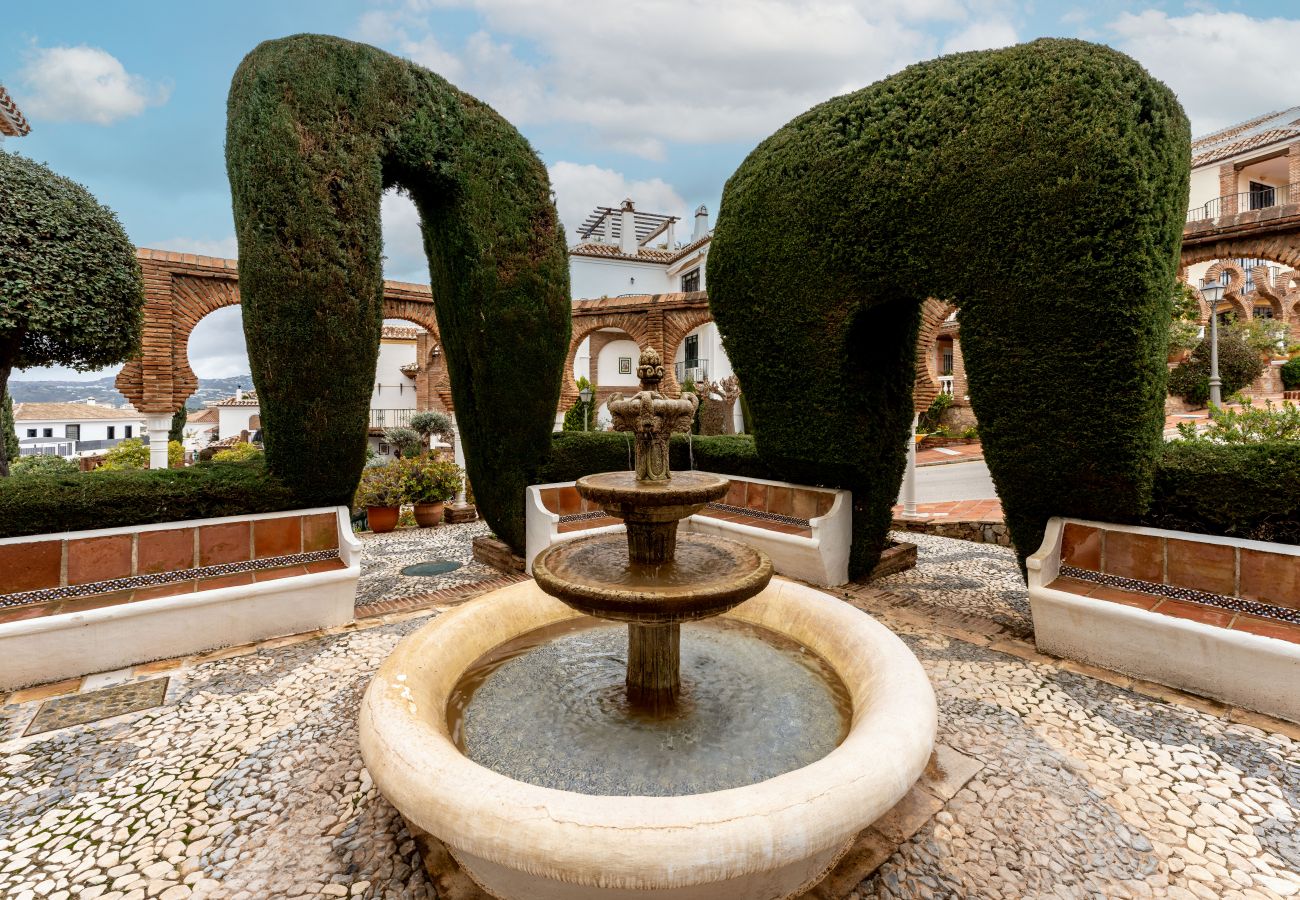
{"points": [[769, 840], [622, 496]]}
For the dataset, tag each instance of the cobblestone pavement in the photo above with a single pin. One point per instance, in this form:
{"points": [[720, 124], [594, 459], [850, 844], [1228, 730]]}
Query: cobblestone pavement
{"points": [[383, 556], [961, 576], [248, 783]]}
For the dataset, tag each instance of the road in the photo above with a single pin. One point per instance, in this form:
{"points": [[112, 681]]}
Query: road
{"points": [[957, 481]]}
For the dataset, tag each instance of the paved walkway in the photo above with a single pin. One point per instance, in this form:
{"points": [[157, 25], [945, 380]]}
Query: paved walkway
{"points": [[940, 456], [246, 781], [958, 510]]}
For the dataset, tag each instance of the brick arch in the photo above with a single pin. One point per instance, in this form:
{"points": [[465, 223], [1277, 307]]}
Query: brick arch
{"points": [[433, 380], [678, 324], [1283, 250], [1234, 291], [933, 314], [631, 324]]}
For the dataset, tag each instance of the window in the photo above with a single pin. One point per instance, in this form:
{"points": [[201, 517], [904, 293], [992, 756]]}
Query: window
{"points": [[112, 432], [692, 351], [383, 448], [126, 430], [691, 280], [1263, 312], [72, 432], [946, 363], [31, 432], [47, 432], [1261, 196]]}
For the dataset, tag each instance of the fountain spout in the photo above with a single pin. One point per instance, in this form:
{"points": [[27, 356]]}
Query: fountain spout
{"points": [[652, 418]]}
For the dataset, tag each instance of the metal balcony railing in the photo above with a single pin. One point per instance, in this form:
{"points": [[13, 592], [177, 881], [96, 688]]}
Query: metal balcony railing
{"points": [[691, 370], [1231, 204], [391, 418]]}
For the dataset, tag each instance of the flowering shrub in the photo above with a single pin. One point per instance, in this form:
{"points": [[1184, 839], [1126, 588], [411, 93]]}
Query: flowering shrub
{"points": [[426, 479]]}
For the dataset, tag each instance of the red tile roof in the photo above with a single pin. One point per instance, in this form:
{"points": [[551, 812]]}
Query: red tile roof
{"points": [[71, 412], [12, 123]]}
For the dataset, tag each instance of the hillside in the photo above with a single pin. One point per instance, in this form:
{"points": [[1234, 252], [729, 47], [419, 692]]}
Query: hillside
{"points": [[102, 390]]}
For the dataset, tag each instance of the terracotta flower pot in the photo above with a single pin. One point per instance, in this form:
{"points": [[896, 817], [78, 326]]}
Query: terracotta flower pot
{"points": [[382, 519], [428, 514]]}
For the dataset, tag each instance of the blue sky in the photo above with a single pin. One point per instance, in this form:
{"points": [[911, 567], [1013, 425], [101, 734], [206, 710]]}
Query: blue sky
{"points": [[657, 99]]}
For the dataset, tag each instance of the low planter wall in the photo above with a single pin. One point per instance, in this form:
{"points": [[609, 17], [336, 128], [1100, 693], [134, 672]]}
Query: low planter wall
{"points": [[75, 603]]}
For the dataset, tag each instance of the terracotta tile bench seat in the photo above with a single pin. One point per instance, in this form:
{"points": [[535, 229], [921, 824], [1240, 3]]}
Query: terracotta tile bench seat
{"points": [[107, 591], [1213, 615], [806, 530]]}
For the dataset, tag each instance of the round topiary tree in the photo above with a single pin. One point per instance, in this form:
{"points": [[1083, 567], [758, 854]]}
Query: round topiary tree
{"points": [[1239, 365], [317, 128], [1042, 188], [70, 287]]}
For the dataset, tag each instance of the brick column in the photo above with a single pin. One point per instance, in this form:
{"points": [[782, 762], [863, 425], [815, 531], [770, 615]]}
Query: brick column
{"points": [[1228, 189], [1293, 171], [959, 389]]}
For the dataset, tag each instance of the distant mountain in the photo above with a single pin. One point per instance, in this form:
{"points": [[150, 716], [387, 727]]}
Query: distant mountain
{"points": [[102, 390]]}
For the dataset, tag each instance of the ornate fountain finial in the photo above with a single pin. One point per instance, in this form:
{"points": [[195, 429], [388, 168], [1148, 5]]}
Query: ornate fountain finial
{"points": [[652, 418]]}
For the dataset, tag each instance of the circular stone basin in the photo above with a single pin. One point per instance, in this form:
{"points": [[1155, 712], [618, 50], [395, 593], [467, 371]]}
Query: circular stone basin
{"points": [[706, 576], [551, 708], [763, 841], [684, 494], [432, 568]]}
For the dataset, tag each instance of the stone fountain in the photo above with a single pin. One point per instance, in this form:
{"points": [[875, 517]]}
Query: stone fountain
{"points": [[532, 748], [658, 581]]}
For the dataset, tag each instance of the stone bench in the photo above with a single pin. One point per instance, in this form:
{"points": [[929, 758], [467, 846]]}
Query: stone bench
{"points": [[805, 530], [1215, 616], [90, 601]]}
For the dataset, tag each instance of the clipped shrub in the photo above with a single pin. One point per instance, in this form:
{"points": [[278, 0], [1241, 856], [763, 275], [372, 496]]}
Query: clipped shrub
{"points": [[128, 454], [43, 465], [1235, 490], [407, 441], [1012, 182], [71, 293], [1290, 373], [317, 128], [241, 452], [1239, 365], [119, 498], [427, 479]]}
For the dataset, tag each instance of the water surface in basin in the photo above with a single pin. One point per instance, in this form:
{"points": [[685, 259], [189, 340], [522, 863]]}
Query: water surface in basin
{"points": [[550, 708]]}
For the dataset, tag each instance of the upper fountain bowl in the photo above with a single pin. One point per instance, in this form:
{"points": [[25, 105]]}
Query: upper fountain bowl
{"points": [[621, 495]]}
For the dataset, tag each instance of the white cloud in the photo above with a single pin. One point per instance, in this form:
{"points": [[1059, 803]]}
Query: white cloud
{"points": [[581, 188], [645, 74], [983, 35], [217, 348], [404, 258], [1224, 67], [85, 84]]}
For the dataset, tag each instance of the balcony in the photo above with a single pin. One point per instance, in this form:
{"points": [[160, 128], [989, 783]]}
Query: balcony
{"points": [[693, 370], [1231, 204], [390, 418], [946, 385]]}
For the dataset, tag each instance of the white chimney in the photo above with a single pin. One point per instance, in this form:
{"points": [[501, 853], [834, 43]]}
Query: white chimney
{"points": [[609, 228], [239, 393], [670, 234], [701, 223], [627, 243], [91, 402]]}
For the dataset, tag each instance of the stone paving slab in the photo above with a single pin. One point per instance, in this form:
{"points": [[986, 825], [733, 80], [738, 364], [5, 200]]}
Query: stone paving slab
{"points": [[248, 783], [92, 706]]}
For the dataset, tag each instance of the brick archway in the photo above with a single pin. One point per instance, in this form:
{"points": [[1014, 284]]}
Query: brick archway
{"points": [[677, 325], [182, 288], [933, 314], [1233, 292], [630, 324]]}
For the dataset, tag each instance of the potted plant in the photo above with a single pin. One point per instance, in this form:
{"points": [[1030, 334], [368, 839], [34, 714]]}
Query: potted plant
{"points": [[381, 492], [428, 483]]}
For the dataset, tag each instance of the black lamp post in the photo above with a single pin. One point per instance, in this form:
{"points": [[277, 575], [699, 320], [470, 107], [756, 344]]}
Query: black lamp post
{"points": [[585, 396]]}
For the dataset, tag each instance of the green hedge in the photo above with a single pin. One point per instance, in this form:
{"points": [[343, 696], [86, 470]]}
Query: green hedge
{"points": [[1234, 490], [317, 129], [1042, 188], [1290, 373], [41, 504], [577, 453]]}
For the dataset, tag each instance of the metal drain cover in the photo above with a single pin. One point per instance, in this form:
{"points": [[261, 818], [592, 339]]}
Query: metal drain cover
{"points": [[431, 568]]}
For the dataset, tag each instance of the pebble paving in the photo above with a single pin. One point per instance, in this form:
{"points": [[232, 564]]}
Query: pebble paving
{"points": [[383, 556], [248, 784]]}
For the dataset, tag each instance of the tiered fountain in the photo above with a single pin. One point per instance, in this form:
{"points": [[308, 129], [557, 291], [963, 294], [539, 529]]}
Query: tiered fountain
{"points": [[737, 757]]}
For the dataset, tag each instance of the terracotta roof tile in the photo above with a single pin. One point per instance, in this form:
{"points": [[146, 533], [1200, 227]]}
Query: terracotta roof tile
{"points": [[1262, 139], [12, 122], [249, 399], [45, 412]]}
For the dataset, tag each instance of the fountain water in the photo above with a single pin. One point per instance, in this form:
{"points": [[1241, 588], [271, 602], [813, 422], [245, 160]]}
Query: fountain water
{"points": [[659, 580]]}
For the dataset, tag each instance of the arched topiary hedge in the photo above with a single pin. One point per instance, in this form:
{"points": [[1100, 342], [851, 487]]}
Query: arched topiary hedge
{"points": [[1043, 189], [318, 127]]}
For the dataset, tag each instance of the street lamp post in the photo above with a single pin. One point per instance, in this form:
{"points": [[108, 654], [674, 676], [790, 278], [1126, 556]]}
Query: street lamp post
{"points": [[1216, 396], [585, 395]]}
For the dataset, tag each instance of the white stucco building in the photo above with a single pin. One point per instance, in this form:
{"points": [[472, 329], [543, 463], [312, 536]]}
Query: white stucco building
{"points": [[74, 429]]}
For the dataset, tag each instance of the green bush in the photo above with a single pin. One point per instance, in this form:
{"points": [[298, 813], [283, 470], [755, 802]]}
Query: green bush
{"points": [[1235, 490], [241, 452], [574, 454], [581, 416], [1249, 425], [1042, 188], [928, 421], [380, 486], [317, 129], [1239, 365], [43, 465], [1290, 373], [427, 479], [115, 499], [128, 454], [407, 441]]}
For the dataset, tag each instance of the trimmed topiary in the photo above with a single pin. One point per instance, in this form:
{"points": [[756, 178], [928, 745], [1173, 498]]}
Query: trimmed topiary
{"points": [[1042, 188], [1239, 365], [318, 127], [70, 287]]}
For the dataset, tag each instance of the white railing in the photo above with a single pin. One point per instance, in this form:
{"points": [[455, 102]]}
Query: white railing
{"points": [[946, 385]]}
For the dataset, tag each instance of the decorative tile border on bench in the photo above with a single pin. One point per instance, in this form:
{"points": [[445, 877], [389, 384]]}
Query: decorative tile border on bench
{"points": [[1173, 592], [28, 598], [759, 514], [582, 516]]}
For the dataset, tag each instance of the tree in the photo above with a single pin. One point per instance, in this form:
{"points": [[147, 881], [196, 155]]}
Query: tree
{"points": [[1239, 365], [177, 431], [8, 434], [407, 440], [1042, 189], [128, 454], [71, 293], [317, 128], [581, 416], [430, 424]]}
